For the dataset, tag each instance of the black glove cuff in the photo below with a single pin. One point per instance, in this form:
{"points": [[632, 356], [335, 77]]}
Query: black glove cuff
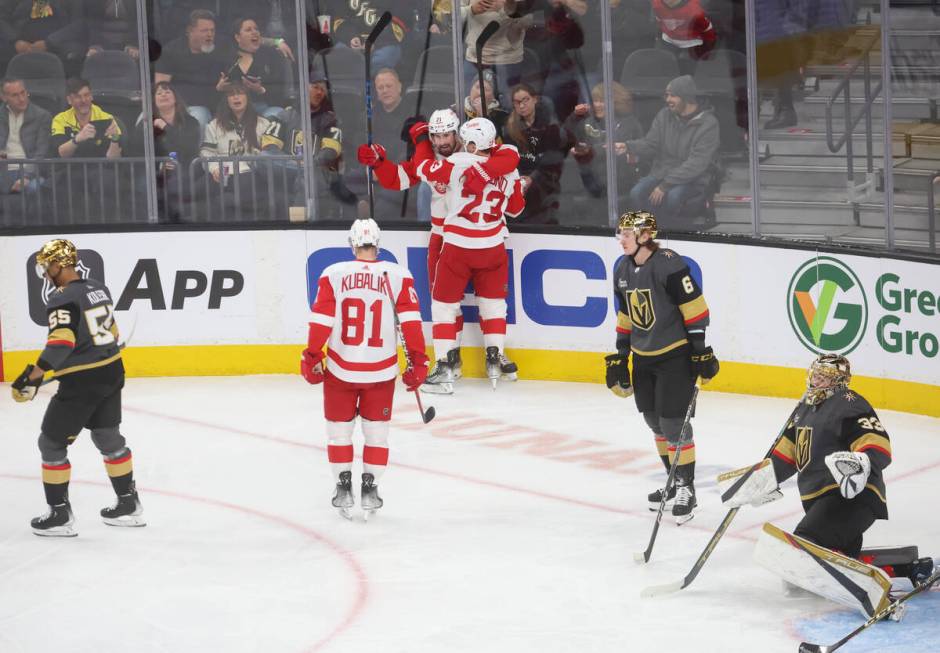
{"points": [[697, 341]]}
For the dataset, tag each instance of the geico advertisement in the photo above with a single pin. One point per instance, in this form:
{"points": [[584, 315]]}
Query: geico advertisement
{"points": [[171, 288]]}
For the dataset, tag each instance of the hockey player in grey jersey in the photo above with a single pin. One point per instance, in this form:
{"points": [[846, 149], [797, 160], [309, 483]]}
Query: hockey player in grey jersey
{"points": [[661, 320], [82, 353]]}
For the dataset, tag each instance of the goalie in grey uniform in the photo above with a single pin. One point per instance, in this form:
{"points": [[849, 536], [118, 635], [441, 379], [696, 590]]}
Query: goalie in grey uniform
{"points": [[661, 320], [83, 352]]}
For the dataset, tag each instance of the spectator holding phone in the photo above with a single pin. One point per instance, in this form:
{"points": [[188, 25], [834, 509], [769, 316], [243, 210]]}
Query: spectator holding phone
{"points": [[85, 130], [258, 68]]}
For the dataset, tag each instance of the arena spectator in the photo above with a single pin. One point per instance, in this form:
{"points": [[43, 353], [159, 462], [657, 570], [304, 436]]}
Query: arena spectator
{"points": [[686, 31], [193, 63], [682, 144], [494, 110], [542, 143], [555, 39], [589, 131], [352, 24], [390, 113], [85, 130], [236, 130], [504, 51], [24, 134], [111, 25], [54, 26], [258, 68]]}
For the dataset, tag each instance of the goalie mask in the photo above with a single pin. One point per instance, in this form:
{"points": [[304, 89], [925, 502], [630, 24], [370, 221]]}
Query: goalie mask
{"points": [[828, 373], [59, 251], [364, 233]]}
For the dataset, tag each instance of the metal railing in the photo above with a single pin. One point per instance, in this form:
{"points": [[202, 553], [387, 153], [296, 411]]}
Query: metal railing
{"points": [[932, 211], [273, 176], [856, 192]]}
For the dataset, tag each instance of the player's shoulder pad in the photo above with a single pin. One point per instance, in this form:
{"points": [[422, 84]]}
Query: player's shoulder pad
{"points": [[851, 402], [69, 294], [464, 159], [669, 260], [506, 146], [396, 270]]}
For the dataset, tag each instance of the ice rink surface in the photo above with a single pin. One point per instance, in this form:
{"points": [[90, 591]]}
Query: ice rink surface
{"points": [[509, 524]]}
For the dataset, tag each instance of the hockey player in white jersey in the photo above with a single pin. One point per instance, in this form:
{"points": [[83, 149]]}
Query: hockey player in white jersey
{"points": [[354, 317], [474, 249], [438, 139]]}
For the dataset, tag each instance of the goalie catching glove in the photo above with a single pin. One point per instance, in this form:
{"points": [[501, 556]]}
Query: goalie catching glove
{"points": [[618, 375], [23, 389], [850, 470], [759, 485]]}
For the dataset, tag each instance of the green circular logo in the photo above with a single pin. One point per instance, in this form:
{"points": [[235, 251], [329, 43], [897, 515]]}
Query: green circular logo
{"points": [[827, 306]]}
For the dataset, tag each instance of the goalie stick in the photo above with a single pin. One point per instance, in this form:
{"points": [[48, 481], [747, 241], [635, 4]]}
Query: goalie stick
{"points": [[380, 25], [426, 415], [644, 557], [669, 588], [891, 608]]}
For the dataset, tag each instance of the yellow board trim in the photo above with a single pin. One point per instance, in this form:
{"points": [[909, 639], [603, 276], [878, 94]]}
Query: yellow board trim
{"points": [[537, 364]]}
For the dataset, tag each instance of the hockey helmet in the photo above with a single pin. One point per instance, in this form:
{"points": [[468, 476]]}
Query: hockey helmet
{"points": [[364, 233], [479, 131], [59, 251], [443, 121], [826, 374], [638, 222]]}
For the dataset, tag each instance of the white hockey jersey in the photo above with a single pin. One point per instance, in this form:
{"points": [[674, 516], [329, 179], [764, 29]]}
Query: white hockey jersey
{"points": [[353, 315], [473, 221]]}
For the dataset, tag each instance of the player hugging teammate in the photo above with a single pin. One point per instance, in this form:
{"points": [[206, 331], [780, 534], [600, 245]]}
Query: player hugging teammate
{"points": [[475, 185]]}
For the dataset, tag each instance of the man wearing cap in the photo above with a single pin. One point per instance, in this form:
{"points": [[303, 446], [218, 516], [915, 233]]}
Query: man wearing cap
{"points": [[682, 143]]}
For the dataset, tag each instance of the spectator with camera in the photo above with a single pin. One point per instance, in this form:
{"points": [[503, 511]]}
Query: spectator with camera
{"points": [[258, 68], [85, 130]]}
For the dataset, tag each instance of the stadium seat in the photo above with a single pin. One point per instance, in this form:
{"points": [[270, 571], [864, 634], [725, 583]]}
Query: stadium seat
{"points": [[44, 77], [114, 77], [648, 71], [722, 72]]}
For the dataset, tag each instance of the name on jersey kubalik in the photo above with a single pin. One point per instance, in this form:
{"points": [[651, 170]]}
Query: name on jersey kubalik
{"points": [[362, 280], [97, 296]]}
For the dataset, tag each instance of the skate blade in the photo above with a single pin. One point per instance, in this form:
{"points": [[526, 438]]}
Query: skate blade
{"points": [[130, 521], [684, 518], [898, 613], [344, 513], [438, 388], [59, 531], [511, 376], [368, 515]]}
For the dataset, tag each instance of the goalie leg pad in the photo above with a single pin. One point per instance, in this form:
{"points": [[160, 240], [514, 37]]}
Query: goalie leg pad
{"points": [[822, 571], [759, 487]]}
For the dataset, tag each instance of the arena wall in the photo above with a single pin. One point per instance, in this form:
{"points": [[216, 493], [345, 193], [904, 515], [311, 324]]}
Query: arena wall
{"points": [[236, 302]]}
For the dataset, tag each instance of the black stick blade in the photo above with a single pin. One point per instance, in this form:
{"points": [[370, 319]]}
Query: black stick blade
{"points": [[806, 647], [383, 22], [485, 35], [429, 414]]}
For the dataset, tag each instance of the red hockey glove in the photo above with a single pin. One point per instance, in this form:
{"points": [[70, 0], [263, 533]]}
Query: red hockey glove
{"points": [[474, 179], [415, 376], [371, 155], [418, 132], [311, 366]]}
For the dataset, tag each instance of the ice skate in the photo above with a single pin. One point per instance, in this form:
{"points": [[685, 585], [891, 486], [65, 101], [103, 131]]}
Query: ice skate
{"points": [[343, 497], [57, 522], [654, 499], [493, 365], [126, 511], [508, 370], [441, 379], [369, 499], [685, 501]]}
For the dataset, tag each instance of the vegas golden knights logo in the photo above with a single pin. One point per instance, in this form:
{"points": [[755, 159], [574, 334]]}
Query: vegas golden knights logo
{"points": [[641, 309], [804, 443]]}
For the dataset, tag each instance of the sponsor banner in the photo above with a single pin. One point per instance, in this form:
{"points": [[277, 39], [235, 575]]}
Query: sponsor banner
{"points": [[769, 307]]}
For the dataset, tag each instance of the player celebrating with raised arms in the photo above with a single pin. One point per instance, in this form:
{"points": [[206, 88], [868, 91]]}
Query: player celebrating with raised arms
{"points": [[661, 320], [438, 139], [353, 315], [83, 352]]}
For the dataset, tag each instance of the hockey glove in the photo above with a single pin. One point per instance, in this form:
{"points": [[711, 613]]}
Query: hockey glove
{"points": [[416, 130], [414, 376], [475, 179], [704, 363], [311, 366], [370, 155], [618, 375], [850, 469], [23, 389]]}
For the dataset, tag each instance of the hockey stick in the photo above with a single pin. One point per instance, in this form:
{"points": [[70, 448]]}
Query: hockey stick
{"points": [[806, 647], [424, 70], [426, 415], [383, 21], [669, 588], [488, 31], [121, 346], [644, 557]]}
